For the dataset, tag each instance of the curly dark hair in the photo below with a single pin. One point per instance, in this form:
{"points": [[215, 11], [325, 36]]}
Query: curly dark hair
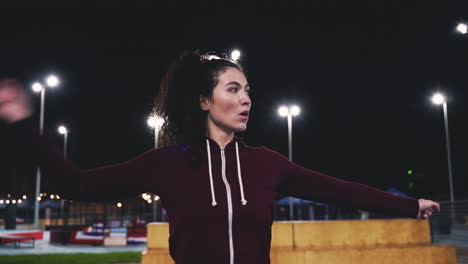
{"points": [[191, 76]]}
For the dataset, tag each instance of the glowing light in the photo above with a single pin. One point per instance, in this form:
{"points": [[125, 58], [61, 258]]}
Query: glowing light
{"points": [[7, 201], [283, 111], [1, 201], [20, 201], [52, 81], [438, 98], [39, 198], [155, 121], [149, 201], [13, 201], [37, 87], [156, 198], [119, 205], [58, 197], [295, 110], [235, 55], [62, 130], [24, 197], [462, 28], [52, 196]]}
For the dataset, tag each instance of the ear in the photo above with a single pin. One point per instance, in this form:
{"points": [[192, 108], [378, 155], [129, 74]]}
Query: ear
{"points": [[204, 103]]}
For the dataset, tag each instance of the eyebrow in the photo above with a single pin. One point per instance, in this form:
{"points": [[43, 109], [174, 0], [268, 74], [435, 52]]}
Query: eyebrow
{"points": [[238, 84]]}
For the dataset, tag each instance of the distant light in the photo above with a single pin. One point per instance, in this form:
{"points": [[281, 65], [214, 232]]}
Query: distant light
{"points": [[119, 205], [410, 172], [1, 201], [20, 201], [37, 87], [235, 55], [156, 198], [462, 28], [146, 196], [58, 197], [52, 196], [438, 98], [13, 201], [149, 201], [52, 81], [62, 130], [8, 195], [7, 201], [155, 121], [283, 111], [24, 197], [295, 110], [39, 198]]}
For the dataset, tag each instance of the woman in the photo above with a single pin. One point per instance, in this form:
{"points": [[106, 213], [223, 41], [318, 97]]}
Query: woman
{"points": [[218, 191]]}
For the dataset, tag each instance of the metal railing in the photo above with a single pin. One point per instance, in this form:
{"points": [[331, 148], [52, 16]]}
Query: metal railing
{"points": [[450, 226]]}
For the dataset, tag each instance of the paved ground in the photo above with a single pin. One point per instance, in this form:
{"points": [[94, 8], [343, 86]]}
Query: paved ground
{"points": [[44, 247]]}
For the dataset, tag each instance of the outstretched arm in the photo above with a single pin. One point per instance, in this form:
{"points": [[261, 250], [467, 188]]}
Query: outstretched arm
{"points": [[124, 179], [307, 184]]}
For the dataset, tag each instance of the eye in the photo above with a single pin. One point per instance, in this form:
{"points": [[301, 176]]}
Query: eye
{"points": [[233, 89]]}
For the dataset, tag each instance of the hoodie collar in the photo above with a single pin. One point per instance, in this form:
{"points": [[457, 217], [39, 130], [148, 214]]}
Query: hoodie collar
{"points": [[231, 145]]}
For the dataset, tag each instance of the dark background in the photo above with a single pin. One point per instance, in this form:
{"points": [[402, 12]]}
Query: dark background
{"points": [[362, 73]]}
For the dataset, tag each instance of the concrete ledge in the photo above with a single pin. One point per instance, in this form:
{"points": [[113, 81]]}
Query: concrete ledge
{"points": [[395, 241], [380, 255], [359, 233]]}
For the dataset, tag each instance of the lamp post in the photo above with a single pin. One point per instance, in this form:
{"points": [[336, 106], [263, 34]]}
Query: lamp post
{"points": [[439, 99], [156, 123], [51, 81], [289, 112], [64, 131]]}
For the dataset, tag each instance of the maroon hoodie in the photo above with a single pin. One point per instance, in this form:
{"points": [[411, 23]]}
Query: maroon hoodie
{"points": [[222, 211]]}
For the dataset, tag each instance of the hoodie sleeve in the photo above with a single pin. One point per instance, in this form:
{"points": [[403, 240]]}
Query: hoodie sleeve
{"points": [[306, 184], [104, 183]]}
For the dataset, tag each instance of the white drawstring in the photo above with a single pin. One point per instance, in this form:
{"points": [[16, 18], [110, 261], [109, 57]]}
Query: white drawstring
{"points": [[244, 202], [213, 198]]}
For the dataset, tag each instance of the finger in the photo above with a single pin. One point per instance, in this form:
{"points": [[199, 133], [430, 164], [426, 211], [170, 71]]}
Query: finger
{"points": [[437, 205]]}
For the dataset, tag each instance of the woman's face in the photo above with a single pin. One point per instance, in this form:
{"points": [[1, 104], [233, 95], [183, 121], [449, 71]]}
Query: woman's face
{"points": [[229, 106]]}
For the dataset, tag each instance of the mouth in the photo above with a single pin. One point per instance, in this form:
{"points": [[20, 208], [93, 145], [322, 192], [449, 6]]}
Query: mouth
{"points": [[244, 115]]}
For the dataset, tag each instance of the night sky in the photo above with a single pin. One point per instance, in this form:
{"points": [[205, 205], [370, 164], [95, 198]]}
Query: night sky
{"points": [[363, 75]]}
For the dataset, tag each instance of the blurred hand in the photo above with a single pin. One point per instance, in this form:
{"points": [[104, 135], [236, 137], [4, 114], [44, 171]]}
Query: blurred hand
{"points": [[426, 207], [15, 104]]}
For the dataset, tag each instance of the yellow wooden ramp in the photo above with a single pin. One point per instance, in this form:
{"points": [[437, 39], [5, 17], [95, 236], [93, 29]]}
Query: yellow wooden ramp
{"points": [[398, 241]]}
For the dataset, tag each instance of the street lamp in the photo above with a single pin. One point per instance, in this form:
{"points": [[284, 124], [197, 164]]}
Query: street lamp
{"points": [[156, 123], [64, 131], [439, 99], [51, 81], [289, 112]]}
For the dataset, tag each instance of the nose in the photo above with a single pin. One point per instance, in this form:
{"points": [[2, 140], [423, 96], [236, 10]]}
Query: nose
{"points": [[245, 100]]}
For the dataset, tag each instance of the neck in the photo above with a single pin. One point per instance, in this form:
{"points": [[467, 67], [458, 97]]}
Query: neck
{"points": [[219, 135]]}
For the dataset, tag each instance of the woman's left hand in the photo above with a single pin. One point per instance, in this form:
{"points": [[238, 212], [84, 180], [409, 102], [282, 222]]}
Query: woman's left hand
{"points": [[426, 207]]}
